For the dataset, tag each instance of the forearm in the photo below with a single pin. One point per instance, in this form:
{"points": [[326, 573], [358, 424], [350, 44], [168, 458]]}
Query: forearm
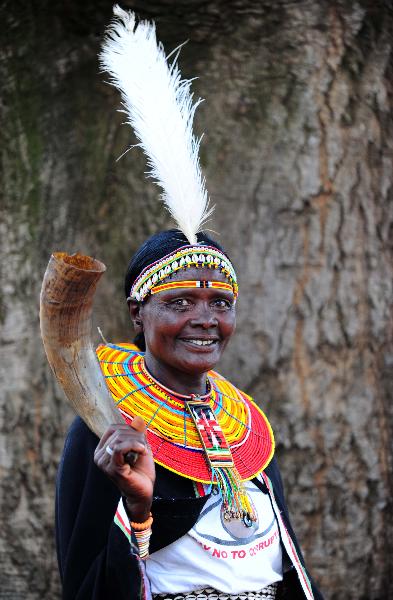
{"points": [[97, 561]]}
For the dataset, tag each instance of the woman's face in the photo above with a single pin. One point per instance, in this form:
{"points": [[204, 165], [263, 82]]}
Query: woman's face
{"points": [[186, 330]]}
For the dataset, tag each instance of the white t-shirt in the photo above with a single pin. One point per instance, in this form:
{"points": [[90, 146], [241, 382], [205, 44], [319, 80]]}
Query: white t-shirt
{"points": [[210, 555]]}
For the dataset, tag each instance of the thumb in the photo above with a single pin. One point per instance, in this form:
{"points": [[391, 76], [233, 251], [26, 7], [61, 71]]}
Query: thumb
{"points": [[138, 424]]}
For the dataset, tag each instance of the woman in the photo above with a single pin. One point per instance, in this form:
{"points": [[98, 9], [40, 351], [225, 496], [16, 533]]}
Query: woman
{"points": [[183, 331], [185, 498]]}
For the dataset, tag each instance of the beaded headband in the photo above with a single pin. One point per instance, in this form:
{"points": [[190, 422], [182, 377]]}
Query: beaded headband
{"points": [[193, 283], [186, 256]]}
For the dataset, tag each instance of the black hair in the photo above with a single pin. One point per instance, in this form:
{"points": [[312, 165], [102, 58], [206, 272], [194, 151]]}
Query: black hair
{"points": [[155, 247]]}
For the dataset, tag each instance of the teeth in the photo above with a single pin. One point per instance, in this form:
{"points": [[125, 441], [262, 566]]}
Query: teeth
{"points": [[202, 342]]}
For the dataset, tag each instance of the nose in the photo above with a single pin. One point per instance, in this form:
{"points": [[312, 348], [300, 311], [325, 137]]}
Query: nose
{"points": [[203, 317]]}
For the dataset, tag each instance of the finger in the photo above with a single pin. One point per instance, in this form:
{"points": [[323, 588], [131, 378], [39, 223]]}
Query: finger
{"points": [[121, 447], [121, 442], [131, 457], [124, 445], [111, 459], [114, 436], [110, 431], [138, 424], [103, 451]]}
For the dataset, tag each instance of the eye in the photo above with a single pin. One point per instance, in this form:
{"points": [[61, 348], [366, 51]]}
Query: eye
{"points": [[222, 303], [180, 303]]}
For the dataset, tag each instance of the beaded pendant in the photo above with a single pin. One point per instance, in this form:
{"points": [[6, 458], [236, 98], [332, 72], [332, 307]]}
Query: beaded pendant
{"points": [[236, 503]]}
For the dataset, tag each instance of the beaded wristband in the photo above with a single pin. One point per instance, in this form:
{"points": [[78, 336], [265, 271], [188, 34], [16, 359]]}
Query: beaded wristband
{"points": [[143, 539], [143, 533]]}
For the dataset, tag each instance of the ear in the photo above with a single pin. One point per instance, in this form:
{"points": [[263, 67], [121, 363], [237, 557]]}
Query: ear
{"points": [[135, 307]]}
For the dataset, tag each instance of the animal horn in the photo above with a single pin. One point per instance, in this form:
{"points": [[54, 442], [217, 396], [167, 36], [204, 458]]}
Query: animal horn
{"points": [[66, 305]]}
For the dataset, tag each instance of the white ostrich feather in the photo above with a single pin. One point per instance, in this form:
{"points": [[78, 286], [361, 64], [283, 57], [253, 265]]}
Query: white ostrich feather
{"points": [[160, 108]]}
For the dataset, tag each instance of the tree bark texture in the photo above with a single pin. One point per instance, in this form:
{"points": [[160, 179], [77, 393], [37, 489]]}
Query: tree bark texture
{"points": [[298, 159]]}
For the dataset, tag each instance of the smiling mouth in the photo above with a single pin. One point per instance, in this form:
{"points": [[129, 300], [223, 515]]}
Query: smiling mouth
{"points": [[200, 343]]}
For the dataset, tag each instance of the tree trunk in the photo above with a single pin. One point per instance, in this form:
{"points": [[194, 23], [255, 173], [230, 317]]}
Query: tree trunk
{"points": [[298, 160]]}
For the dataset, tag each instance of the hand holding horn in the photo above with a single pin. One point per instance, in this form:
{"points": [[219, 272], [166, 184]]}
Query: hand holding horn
{"points": [[135, 483]]}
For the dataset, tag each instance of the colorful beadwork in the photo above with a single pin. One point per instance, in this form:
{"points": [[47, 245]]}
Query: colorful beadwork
{"points": [[186, 256], [172, 285], [171, 431], [212, 438], [143, 539], [236, 502]]}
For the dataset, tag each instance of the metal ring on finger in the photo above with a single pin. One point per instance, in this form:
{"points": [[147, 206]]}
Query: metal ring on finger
{"points": [[109, 450]]}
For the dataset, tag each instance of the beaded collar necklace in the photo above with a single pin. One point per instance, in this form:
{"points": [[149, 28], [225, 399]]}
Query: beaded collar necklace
{"points": [[221, 438]]}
